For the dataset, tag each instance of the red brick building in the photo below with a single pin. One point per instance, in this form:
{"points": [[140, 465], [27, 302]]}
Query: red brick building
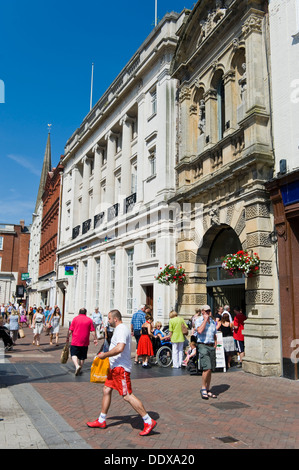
{"points": [[50, 220], [14, 251]]}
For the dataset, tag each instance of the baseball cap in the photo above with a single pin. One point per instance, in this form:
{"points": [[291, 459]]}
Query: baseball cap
{"points": [[206, 307]]}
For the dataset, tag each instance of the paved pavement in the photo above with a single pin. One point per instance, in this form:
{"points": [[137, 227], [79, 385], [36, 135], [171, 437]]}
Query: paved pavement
{"points": [[44, 406]]}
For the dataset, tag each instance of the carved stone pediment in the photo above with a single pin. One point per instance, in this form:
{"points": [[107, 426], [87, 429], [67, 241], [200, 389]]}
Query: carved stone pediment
{"points": [[198, 27]]}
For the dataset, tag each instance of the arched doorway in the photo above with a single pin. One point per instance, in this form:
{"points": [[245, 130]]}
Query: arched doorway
{"points": [[222, 289]]}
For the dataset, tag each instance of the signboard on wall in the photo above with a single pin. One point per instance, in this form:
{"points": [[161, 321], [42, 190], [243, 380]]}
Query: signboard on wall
{"points": [[68, 270], [20, 291]]}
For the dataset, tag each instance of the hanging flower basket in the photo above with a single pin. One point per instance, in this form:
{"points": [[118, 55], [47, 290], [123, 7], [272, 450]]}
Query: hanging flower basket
{"points": [[171, 274], [243, 262]]}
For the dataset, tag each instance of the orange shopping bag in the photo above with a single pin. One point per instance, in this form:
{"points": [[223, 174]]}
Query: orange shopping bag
{"points": [[99, 370]]}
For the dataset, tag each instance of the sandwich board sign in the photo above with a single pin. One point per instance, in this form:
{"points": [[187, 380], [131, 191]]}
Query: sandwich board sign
{"points": [[220, 356]]}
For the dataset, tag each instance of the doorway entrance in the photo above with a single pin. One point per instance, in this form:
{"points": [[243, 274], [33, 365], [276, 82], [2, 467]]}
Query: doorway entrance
{"points": [[222, 289], [149, 294]]}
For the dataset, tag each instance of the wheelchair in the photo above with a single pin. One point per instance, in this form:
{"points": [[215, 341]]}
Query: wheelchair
{"points": [[162, 352]]}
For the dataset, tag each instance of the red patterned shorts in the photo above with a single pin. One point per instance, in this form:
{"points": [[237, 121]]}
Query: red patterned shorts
{"points": [[119, 380]]}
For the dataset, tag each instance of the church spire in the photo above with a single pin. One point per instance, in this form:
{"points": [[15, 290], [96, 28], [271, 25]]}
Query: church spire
{"points": [[47, 166]]}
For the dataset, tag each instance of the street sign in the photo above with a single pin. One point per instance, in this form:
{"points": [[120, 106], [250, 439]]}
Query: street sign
{"points": [[69, 270], [24, 276]]}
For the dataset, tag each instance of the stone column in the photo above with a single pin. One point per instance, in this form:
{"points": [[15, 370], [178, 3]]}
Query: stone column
{"points": [[211, 116], [230, 101], [85, 189], [111, 151], [261, 330], [141, 167], [255, 60], [126, 123], [185, 96], [97, 175]]}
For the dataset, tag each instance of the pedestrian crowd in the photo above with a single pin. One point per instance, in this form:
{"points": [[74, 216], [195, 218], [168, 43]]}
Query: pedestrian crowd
{"points": [[201, 330], [14, 318]]}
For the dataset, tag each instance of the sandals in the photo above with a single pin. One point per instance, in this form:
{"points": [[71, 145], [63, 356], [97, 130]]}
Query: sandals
{"points": [[206, 394]]}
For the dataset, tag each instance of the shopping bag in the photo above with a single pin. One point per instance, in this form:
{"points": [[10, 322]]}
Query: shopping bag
{"points": [[99, 370], [21, 333], [100, 331], [65, 353]]}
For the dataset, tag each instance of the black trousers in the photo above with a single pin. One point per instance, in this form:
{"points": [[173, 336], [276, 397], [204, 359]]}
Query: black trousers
{"points": [[5, 336]]}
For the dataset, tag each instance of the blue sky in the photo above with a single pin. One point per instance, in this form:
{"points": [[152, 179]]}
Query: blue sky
{"points": [[46, 53]]}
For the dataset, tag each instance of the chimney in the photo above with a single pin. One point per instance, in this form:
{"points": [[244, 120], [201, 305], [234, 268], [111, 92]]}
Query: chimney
{"points": [[22, 223]]}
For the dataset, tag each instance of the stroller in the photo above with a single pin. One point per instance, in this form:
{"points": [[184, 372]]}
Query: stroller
{"points": [[162, 350], [5, 336]]}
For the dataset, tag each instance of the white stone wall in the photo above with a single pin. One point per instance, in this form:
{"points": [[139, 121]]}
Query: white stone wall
{"points": [[126, 128], [33, 260], [284, 40]]}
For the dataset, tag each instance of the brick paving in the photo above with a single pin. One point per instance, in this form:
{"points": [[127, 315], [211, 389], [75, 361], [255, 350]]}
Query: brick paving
{"points": [[250, 412]]}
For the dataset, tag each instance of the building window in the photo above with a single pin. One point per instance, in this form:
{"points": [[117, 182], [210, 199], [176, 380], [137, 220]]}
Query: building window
{"points": [[0, 262], [220, 108], [68, 217], [117, 188], [153, 95], [112, 280], [152, 249], [134, 178], [130, 254], [103, 191], [98, 269], [1, 243], [104, 157], [152, 161]]}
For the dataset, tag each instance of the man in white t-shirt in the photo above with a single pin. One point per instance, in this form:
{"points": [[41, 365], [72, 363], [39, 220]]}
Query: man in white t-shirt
{"points": [[226, 309], [119, 355]]}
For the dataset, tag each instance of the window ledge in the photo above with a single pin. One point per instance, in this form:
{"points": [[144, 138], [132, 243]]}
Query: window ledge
{"points": [[151, 117], [150, 178]]}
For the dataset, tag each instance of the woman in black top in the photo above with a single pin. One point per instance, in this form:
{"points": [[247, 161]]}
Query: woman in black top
{"points": [[228, 341]]}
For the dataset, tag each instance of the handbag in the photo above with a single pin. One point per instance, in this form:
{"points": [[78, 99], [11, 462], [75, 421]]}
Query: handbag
{"points": [[65, 351], [184, 329], [99, 370], [21, 333]]}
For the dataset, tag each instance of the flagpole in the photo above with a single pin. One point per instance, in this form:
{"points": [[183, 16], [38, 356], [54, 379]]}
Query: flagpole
{"points": [[156, 12], [91, 89]]}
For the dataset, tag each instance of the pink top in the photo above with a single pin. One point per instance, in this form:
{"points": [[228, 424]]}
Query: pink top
{"points": [[81, 327]]}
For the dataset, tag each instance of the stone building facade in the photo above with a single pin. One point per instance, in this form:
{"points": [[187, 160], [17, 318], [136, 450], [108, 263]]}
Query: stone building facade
{"points": [[224, 159], [14, 249], [116, 227], [49, 237], [34, 296]]}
